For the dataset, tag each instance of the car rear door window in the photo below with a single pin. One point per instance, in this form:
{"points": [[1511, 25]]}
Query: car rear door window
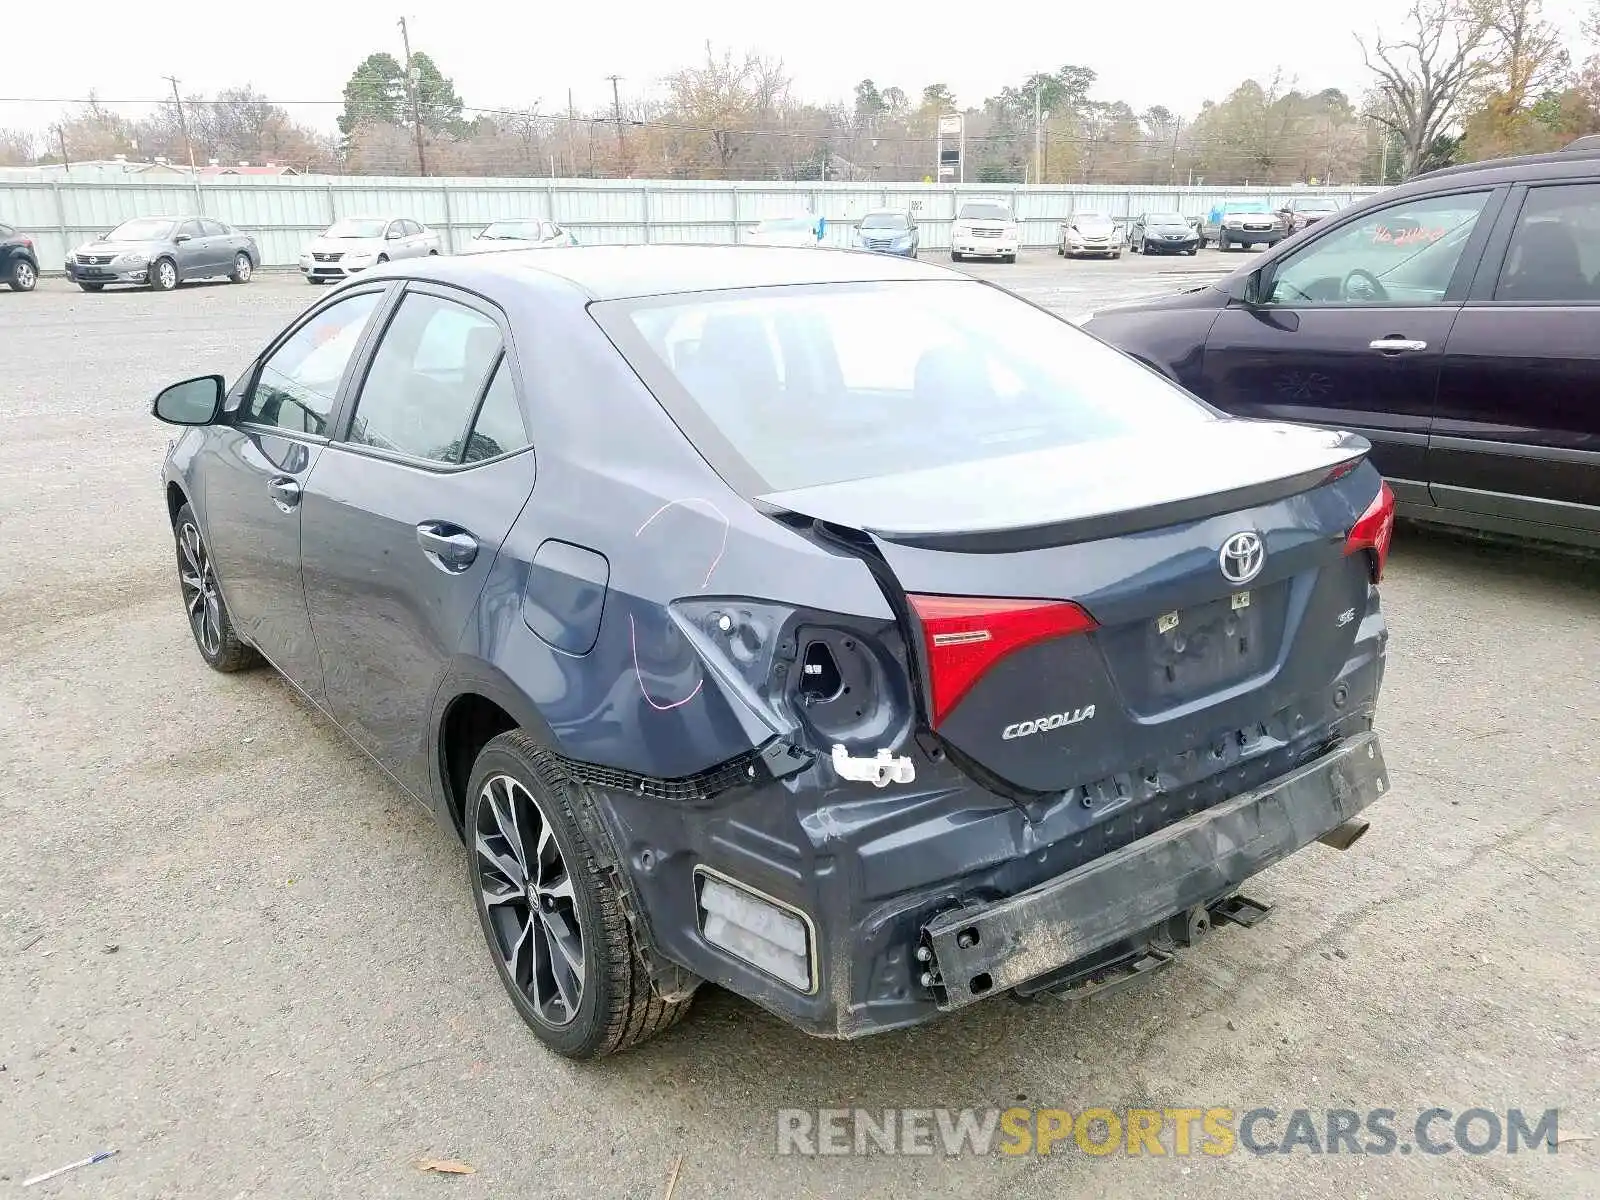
{"points": [[499, 428], [426, 377], [214, 229], [299, 382], [1406, 253], [1554, 255]]}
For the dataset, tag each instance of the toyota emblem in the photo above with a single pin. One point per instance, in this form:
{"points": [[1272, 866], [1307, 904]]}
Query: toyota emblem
{"points": [[1242, 557]]}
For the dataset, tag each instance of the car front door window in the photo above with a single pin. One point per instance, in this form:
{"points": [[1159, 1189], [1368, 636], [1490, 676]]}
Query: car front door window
{"points": [[1404, 254], [299, 381]]}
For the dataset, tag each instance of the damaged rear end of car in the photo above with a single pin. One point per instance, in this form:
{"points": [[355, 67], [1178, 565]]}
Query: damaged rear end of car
{"points": [[1121, 654]]}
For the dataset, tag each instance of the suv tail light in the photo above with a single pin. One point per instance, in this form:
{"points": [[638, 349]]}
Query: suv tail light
{"points": [[1374, 531], [964, 636]]}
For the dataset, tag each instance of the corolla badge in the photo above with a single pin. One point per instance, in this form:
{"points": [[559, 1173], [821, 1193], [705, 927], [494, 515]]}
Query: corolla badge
{"points": [[1242, 557]]}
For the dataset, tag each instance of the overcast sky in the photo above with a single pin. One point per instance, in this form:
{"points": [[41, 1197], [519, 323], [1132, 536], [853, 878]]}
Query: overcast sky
{"points": [[514, 55]]}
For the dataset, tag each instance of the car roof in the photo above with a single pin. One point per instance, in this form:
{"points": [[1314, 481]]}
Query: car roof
{"points": [[1570, 161], [628, 272]]}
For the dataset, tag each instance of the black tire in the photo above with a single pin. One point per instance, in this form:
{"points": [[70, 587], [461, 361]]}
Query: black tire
{"points": [[314, 281], [616, 1007], [91, 287], [1010, 258], [163, 275], [243, 268], [1192, 251], [1223, 244], [382, 258], [954, 257], [218, 643], [433, 254], [23, 276]]}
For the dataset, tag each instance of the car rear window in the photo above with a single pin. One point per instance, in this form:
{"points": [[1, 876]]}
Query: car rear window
{"points": [[791, 387]]}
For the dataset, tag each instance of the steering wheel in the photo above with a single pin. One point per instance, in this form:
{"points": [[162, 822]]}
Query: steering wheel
{"points": [[1368, 290]]}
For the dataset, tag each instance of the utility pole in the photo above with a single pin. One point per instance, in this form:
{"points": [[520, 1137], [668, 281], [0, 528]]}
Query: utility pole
{"points": [[61, 140], [1038, 130], [616, 112], [1172, 166], [572, 154], [416, 103], [183, 122], [183, 127]]}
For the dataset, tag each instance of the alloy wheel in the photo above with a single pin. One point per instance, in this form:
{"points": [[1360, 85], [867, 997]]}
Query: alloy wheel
{"points": [[241, 268], [528, 896], [201, 599], [25, 276], [167, 274]]}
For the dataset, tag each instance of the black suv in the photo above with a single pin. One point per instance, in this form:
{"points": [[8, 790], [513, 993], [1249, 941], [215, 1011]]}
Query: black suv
{"points": [[1454, 321], [19, 265]]}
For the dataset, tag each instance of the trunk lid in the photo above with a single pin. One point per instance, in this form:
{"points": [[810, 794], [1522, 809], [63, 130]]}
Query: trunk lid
{"points": [[1183, 642]]}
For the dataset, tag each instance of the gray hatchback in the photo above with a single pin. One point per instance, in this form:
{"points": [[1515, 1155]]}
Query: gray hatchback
{"points": [[161, 252]]}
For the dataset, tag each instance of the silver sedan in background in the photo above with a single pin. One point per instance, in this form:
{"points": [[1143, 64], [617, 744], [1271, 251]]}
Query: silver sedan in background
{"points": [[162, 252], [350, 246], [531, 233]]}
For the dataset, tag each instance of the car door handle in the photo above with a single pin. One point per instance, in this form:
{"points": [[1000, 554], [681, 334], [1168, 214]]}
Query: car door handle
{"points": [[285, 492], [1395, 344], [450, 549]]}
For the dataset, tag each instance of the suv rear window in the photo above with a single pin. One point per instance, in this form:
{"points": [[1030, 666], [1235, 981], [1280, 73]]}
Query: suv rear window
{"points": [[791, 387]]}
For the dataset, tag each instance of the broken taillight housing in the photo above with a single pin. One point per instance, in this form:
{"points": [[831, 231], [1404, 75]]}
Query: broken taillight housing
{"points": [[964, 636], [818, 677], [1374, 531]]}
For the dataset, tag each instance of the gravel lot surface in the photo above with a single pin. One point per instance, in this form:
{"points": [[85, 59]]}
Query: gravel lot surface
{"points": [[231, 950]]}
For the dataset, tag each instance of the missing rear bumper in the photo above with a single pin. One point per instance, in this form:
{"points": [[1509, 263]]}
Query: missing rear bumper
{"points": [[973, 952]]}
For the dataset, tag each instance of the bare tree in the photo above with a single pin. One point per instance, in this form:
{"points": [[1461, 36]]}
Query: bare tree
{"points": [[16, 147], [1423, 75], [725, 97]]}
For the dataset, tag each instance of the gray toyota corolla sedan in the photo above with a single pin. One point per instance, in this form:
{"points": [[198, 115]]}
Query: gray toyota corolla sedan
{"points": [[837, 629], [162, 252]]}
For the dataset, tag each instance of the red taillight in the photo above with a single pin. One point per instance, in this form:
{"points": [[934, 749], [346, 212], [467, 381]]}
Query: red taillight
{"points": [[966, 635], [1374, 531]]}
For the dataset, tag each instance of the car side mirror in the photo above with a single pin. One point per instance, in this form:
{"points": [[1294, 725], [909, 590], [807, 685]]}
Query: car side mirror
{"points": [[393, 235], [192, 402], [181, 237]]}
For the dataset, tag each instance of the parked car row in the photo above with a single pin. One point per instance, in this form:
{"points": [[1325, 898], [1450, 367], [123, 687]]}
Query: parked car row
{"points": [[161, 252]]}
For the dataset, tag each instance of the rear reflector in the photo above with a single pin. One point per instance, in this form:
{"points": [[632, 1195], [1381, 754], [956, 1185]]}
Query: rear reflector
{"points": [[964, 636], [1374, 531], [769, 936]]}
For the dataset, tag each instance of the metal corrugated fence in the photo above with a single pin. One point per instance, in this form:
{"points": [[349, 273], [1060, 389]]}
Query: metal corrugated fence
{"points": [[284, 212]]}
